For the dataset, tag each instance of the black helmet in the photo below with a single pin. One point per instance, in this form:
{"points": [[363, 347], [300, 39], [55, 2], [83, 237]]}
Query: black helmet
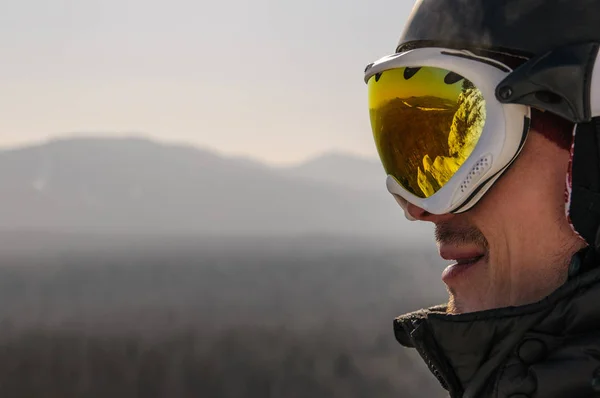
{"points": [[560, 39], [557, 42], [519, 27]]}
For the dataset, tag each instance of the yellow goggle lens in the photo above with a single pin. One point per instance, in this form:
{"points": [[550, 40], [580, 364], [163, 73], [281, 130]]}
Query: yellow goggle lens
{"points": [[426, 122]]}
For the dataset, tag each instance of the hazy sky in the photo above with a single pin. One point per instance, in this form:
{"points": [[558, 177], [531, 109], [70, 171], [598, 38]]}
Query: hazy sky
{"points": [[277, 80]]}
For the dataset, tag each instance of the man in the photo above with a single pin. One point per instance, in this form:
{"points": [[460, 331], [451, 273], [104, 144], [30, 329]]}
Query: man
{"points": [[487, 122]]}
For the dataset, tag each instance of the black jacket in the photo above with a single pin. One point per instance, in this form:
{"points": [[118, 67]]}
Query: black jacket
{"points": [[550, 349]]}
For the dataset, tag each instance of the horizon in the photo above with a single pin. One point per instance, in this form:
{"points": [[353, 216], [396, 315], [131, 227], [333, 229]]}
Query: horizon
{"points": [[67, 183], [247, 79], [166, 143]]}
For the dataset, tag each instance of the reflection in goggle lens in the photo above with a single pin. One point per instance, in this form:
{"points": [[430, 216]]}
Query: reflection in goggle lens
{"points": [[426, 122]]}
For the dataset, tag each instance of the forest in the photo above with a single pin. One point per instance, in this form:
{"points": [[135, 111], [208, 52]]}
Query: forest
{"points": [[212, 317]]}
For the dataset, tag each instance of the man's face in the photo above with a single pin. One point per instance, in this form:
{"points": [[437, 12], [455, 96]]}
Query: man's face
{"points": [[514, 246]]}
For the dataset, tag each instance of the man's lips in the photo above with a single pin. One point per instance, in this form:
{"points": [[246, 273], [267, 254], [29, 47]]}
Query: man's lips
{"points": [[464, 258], [460, 255]]}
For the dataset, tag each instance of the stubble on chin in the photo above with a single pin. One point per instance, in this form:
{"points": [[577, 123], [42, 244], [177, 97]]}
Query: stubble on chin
{"points": [[452, 307]]}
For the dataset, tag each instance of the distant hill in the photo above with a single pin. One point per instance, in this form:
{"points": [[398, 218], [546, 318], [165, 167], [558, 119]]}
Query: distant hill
{"points": [[342, 170], [134, 185]]}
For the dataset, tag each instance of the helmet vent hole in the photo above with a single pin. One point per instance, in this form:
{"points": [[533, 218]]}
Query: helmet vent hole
{"points": [[548, 97]]}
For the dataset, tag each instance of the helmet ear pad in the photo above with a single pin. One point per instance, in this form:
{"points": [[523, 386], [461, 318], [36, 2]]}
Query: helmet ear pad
{"points": [[583, 182]]}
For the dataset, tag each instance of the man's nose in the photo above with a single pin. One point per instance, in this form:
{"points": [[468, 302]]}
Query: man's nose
{"points": [[419, 214]]}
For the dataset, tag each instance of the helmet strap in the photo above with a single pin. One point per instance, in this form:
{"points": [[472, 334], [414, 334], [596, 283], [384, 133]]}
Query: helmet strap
{"points": [[583, 192]]}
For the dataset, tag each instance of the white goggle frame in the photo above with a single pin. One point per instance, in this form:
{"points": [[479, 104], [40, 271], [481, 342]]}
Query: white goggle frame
{"points": [[501, 140]]}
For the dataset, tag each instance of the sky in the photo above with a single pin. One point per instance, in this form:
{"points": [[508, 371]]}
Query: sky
{"points": [[279, 81]]}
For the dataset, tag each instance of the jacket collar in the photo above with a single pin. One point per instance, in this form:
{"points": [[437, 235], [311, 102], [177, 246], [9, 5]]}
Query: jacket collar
{"points": [[463, 350]]}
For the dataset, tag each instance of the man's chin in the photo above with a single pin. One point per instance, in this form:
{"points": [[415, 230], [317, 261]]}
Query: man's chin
{"points": [[469, 289]]}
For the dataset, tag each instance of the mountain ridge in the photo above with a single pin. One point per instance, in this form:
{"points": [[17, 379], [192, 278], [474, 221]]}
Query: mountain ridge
{"points": [[143, 138], [138, 185]]}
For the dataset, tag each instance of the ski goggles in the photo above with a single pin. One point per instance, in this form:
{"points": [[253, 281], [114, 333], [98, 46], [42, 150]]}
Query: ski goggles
{"points": [[442, 136]]}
